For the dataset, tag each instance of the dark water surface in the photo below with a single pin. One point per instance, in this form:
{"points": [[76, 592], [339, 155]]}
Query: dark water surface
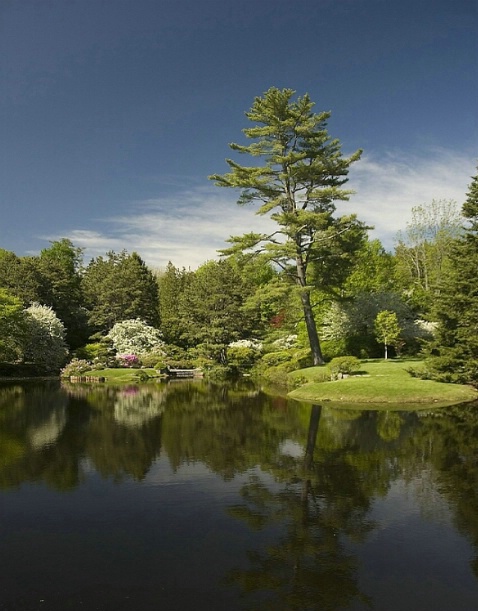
{"points": [[190, 496]]}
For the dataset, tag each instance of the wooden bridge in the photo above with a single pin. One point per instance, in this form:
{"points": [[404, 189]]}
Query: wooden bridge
{"points": [[182, 373]]}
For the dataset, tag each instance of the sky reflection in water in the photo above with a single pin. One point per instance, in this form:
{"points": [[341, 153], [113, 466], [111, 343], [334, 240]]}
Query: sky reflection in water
{"points": [[197, 496]]}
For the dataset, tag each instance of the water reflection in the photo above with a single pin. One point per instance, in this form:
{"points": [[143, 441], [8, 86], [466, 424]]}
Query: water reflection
{"points": [[310, 483]]}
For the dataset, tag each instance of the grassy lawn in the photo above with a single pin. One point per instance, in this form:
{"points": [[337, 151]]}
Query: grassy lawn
{"points": [[380, 382], [120, 375]]}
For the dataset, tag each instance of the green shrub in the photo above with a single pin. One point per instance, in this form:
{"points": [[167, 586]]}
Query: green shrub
{"points": [[219, 372], [297, 381], [242, 357], [277, 374], [142, 376], [151, 359], [92, 351], [271, 359], [343, 365], [332, 348], [321, 375]]}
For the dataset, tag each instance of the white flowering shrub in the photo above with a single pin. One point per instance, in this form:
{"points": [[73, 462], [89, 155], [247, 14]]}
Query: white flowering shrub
{"points": [[45, 339], [134, 336], [286, 342], [255, 344]]}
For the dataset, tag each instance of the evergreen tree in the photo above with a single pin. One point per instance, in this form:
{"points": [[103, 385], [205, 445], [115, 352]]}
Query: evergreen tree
{"points": [[172, 283], [119, 287], [455, 352], [211, 308], [302, 175], [21, 277]]}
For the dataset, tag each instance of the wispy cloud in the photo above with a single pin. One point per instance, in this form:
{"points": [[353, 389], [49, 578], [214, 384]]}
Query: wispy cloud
{"points": [[387, 188], [189, 227]]}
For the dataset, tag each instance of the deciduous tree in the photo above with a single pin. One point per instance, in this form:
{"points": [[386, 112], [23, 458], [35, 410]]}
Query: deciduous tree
{"points": [[423, 250], [387, 329]]}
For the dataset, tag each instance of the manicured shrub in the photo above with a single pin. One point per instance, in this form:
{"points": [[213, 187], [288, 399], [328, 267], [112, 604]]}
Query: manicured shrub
{"points": [[343, 365]]}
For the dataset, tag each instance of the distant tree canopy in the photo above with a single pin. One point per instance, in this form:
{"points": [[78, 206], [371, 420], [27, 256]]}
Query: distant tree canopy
{"points": [[119, 287]]}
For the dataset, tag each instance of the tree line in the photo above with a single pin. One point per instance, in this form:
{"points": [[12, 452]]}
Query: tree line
{"points": [[318, 278]]}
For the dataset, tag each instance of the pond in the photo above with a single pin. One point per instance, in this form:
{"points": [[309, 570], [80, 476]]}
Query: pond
{"points": [[195, 496]]}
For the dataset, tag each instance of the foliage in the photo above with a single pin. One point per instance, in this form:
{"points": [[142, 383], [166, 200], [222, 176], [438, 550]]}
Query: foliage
{"points": [[119, 287], [343, 365], [302, 175], [211, 309], [387, 329], [76, 367], [423, 250], [151, 359], [242, 358], [60, 268], [172, 283], [373, 271], [135, 336], [128, 360], [100, 352], [45, 339], [353, 322], [12, 326], [21, 276], [454, 352]]}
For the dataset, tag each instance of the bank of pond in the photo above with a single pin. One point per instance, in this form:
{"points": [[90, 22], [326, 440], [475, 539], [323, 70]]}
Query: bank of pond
{"points": [[379, 383]]}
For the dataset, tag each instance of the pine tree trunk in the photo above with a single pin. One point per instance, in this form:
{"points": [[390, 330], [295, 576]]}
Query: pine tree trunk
{"points": [[314, 342]]}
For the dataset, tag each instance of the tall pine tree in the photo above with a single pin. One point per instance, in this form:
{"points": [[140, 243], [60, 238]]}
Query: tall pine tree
{"points": [[300, 178], [455, 353]]}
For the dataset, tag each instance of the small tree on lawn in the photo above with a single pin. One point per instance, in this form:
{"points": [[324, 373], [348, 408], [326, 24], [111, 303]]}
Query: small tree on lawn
{"points": [[387, 329]]}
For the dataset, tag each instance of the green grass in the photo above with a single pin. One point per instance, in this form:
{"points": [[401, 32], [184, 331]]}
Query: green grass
{"points": [[380, 382], [120, 375]]}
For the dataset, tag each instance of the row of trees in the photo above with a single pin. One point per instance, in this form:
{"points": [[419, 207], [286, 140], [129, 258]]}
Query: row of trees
{"points": [[318, 276]]}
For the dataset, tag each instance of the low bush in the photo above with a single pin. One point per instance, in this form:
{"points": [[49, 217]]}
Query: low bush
{"points": [[343, 365], [242, 357], [98, 351], [151, 359]]}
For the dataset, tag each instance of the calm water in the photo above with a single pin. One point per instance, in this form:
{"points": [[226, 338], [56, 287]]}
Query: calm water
{"points": [[191, 496]]}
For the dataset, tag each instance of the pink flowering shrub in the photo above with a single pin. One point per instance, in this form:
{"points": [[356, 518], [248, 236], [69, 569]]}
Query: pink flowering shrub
{"points": [[128, 360]]}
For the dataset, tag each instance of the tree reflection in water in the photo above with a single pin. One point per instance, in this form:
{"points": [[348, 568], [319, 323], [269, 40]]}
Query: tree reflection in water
{"points": [[315, 472], [308, 566]]}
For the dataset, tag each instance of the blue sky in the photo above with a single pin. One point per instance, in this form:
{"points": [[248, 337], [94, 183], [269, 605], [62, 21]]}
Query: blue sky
{"points": [[114, 112]]}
